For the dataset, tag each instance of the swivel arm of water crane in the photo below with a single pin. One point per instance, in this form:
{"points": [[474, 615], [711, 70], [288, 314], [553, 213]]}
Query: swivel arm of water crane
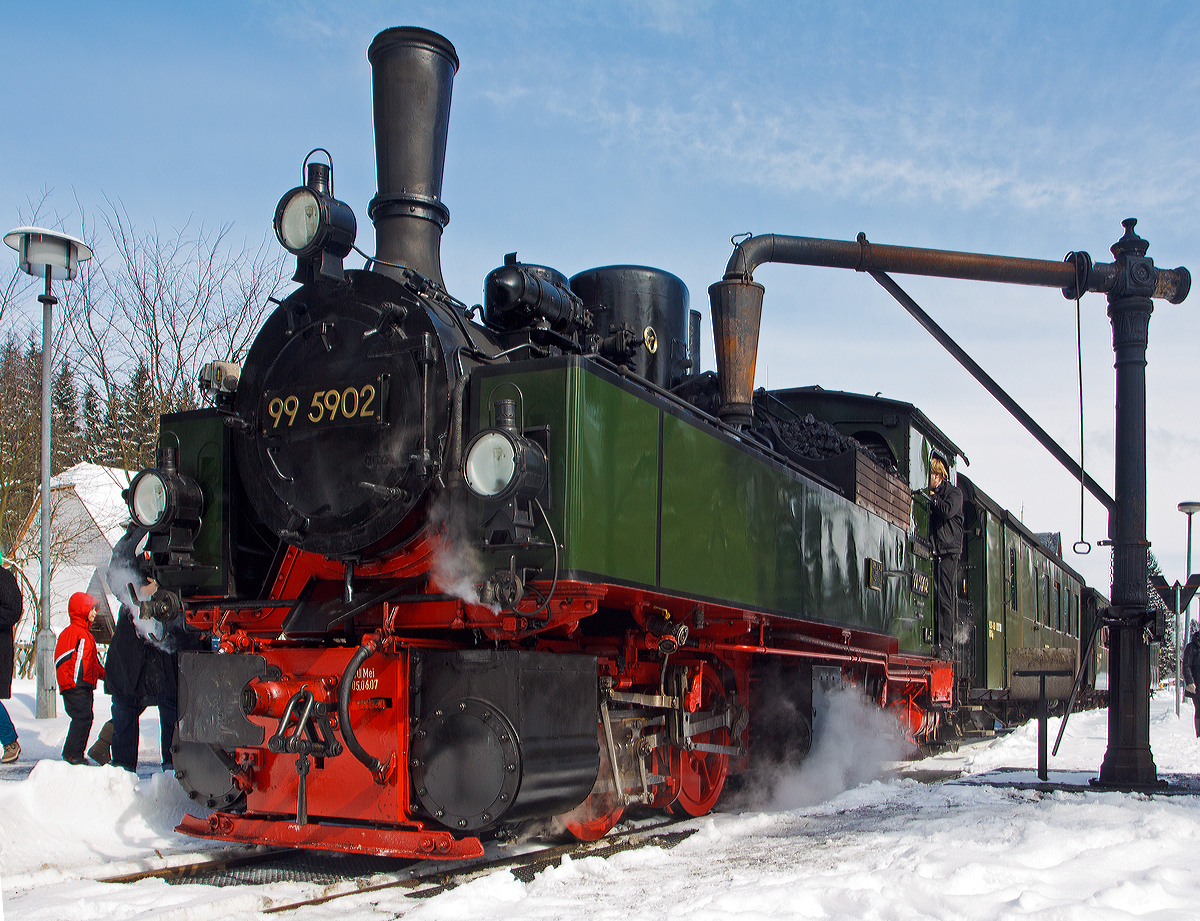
{"points": [[1069, 275], [737, 304]]}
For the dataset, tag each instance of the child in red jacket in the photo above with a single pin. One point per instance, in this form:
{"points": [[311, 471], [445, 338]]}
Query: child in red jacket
{"points": [[78, 668]]}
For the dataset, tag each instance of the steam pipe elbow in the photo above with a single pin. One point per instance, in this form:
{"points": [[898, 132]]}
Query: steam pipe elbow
{"points": [[748, 256], [379, 770]]}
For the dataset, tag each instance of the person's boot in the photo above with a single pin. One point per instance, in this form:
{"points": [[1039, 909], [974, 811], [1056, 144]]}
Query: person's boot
{"points": [[101, 750], [12, 751]]}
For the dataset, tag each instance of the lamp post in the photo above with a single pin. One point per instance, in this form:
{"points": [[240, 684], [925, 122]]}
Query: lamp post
{"points": [[1189, 509], [53, 256]]}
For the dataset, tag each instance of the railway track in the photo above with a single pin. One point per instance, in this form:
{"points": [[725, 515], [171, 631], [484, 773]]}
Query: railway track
{"points": [[242, 857], [524, 867], [266, 866]]}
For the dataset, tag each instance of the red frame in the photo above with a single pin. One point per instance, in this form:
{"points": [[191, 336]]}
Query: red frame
{"points": [[349, 810]]}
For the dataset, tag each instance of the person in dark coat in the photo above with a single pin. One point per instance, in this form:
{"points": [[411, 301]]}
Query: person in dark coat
{"points": [[11, 605], [1191, 671], [946, 534], [138, 674]]}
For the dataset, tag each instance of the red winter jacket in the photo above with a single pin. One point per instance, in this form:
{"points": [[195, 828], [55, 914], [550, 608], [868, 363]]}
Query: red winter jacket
{"points": [[76, 660]]}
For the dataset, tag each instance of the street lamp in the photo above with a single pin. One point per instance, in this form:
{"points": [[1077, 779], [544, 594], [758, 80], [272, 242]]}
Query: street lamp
{"points": [[51, 255]]}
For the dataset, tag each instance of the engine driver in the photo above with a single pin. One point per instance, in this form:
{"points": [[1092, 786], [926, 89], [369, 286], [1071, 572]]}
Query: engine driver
{"points": [[946, 534]]}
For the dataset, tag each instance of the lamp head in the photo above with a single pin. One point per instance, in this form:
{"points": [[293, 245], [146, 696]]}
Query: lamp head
{"points": [[1189, 508], [314, 226], [39, 249]]}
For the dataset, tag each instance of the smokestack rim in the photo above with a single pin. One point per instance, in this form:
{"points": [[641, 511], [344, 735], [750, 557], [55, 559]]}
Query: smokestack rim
{"points": [[410, 36], [408, 204]]}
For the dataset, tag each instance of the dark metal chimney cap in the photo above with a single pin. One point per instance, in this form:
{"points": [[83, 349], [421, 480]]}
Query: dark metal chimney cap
{"points": [[412, 35]]}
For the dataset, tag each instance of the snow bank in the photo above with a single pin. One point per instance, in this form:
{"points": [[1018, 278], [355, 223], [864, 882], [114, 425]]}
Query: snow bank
{"points": [[59, 820], [880, 849], [63, 817]]}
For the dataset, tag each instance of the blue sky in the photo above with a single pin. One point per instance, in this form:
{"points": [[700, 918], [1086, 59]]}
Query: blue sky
{"points": [[595, 133]]}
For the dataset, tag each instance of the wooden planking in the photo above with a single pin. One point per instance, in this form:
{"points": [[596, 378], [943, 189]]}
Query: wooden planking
{"points": [[881, 492]]}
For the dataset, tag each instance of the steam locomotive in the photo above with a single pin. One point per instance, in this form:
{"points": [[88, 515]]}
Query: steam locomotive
{"points": [[463, 569]]}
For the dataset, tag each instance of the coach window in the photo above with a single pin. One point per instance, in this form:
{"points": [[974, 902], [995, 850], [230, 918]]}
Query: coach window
{"points": [[1058, 618]]}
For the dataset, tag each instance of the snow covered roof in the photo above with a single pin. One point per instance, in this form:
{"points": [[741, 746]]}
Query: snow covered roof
{"points": [[99, 489], [88, 517]]}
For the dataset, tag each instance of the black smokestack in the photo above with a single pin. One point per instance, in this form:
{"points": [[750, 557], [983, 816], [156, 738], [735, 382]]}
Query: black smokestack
{"points": [[413, 73]]}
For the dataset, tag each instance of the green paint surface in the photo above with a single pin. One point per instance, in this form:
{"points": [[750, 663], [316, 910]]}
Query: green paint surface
{"points": [[734, 528]]}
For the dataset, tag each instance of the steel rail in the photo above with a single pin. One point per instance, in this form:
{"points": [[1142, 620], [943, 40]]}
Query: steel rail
{"points": [[202, 867], [440, 881]]}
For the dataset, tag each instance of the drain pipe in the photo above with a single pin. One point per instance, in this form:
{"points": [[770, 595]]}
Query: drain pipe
{"points": [[380, 770]]}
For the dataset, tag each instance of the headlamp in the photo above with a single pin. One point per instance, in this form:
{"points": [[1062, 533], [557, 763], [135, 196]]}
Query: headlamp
{"points": [[309, 222], [314, 226], [148, 499], [159, 498], [500, 464]]}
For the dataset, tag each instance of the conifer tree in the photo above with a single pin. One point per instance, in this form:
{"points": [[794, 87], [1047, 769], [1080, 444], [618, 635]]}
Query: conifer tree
{"points": [[20, 433], [66, 445], [139, 418], [93, 425]]}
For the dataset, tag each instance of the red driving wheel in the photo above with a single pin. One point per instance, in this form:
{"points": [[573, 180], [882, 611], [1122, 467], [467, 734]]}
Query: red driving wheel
{"points": [[700, 776], [595, 816]]}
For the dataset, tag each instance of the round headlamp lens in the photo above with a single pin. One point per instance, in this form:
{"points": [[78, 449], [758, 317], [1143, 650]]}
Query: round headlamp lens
{"points": [[299, 220], [491, 464], [148, 501]]}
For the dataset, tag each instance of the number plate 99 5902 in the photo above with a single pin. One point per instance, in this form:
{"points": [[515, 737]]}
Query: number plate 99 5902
{"points": [[282, 410]]}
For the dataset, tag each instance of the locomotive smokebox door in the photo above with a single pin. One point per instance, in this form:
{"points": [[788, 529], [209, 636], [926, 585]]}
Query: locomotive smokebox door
{"points": [[501, 735]]}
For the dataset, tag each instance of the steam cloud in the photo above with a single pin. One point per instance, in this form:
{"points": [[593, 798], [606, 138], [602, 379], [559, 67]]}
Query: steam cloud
{"points": [[119, 575], [854, 741], [457, 566]]}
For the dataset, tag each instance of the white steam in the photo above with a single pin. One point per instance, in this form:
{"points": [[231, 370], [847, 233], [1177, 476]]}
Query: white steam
{"points": [[457, 566], [854, 741], [119, 576]]}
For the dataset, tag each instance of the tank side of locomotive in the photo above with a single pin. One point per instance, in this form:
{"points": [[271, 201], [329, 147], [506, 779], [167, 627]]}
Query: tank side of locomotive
{"points": [[646, 494]]}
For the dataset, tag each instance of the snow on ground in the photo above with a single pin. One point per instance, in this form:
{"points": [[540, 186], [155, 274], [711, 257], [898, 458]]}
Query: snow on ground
{"points": [[857, 847]]}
